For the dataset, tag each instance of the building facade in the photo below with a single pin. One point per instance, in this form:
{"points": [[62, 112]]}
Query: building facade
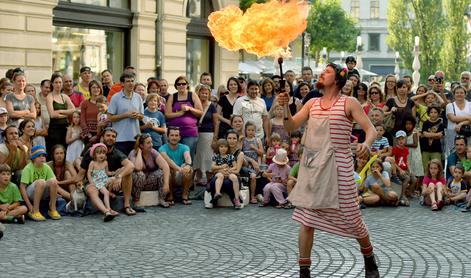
{"points": [[160, 38]]}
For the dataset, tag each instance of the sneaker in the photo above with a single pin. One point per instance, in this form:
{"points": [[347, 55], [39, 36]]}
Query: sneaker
{"points": [[466, 209], [260, 200], [421, 200], [20, 219], [54, 214], [404, 201], [216, 197], [396, 180], [37, 216], [237, 204]]}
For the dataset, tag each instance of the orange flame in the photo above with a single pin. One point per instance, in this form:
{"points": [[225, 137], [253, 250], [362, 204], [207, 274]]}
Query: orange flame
{"points": [[264, 29]]}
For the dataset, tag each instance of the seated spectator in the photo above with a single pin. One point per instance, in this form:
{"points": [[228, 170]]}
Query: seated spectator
{"points": [[277, 175], [252, 146], [27, 132], [295, 146], [117, 163], [234, 149], [64, 171], [38, 183], [151, 171], [455, 157], [178, 159], [380, 145], [293, 173], [13, 152], [237, 125], [11, 209], [154, 121], [378, 185], [223, 167], [456, 187], [275, 145], [433, 185]]}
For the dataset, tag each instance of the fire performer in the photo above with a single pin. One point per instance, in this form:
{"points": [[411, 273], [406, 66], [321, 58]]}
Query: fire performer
{"points": [[325, 193]]}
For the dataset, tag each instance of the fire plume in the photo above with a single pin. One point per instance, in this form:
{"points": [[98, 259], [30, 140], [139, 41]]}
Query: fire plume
{"points": [[264, 29]]}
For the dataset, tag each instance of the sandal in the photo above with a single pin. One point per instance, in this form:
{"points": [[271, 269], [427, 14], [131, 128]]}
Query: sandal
{"points": [[253, 200], [289, 206], [108, 216], [129, 211], [186, 202], [114, 213], [164, 204], [434, 207]]}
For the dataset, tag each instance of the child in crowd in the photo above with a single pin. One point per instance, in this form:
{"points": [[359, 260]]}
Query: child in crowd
{"points": [[38, 183], [74, 139], [277, 174], [154, 121], [102, 117], [456, 187], [98, 176], [277, 123], [378, 185], [295, 146], [223, 164], [252, 146], [380, 145], [415, 157], [11, 209], [40, 126], [3, 122], [467, 161], [237, 123], [400, 166], [433, 185], [293, 175], [275, 144], [431, 136]]}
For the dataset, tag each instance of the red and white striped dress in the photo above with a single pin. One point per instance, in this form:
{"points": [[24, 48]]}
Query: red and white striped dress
{"points": [[347, 220]]}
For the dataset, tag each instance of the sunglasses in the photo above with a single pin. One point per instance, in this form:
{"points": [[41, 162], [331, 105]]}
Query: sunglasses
{"points": [[374, 93], [181, 84]]}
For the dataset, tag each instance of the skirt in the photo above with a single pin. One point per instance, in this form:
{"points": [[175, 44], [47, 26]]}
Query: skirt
{"points": [[204, 152]]}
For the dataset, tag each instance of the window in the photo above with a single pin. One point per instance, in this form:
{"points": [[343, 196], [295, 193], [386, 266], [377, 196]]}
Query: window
{"points": [[374, 9], [77, 47], [199, 8], [120, 4], [355, 9], [373, 42], [197, 58]]}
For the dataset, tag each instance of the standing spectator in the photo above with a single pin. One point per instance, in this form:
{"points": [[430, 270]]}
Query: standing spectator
{"points": [[290, 76], [347, 89], [208, 126], [151, 171], [107, 81], [29, 90], [351, 63], [401, 106], [439, 87], [306, 75], [125, 111], [3, 122], [268, 92], [76, 97], [362, 95], [375, 99], [409, 82], [45, 89], [226, 105], [83, 85], [252, 108], [154, 121], [458, 114], [390, 89], [302, 90], [243, 86], [207, 79], [141, 90], [89, 112], [164, 89], [20, 106], [60, 107], [13, 152], [179, 160], [74, 138], [183, 110], [465, 81], [5, 88], [153, 87]]}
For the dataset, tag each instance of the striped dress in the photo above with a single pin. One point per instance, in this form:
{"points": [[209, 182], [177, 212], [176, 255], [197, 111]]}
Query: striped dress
{"points": [[347, 220]]}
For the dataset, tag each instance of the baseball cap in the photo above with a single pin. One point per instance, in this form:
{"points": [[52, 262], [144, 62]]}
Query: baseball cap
{"points": [[84, 69], [401, 133], [3, 110]]}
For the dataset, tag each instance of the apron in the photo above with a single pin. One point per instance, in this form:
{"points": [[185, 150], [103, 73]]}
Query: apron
{"points": [[317, 184]]}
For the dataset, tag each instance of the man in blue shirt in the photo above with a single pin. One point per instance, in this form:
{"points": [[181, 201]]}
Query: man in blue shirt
{"points": [[179, 160], [456, 156]]}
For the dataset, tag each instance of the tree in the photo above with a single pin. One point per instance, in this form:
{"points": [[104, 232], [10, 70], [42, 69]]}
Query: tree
{"points": [[453, 56], [330, 27], [245, 4], [423, 18]]}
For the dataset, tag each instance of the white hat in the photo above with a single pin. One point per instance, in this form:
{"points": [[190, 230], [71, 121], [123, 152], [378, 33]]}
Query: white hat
{"points": [[3, 110], [281, 157]]}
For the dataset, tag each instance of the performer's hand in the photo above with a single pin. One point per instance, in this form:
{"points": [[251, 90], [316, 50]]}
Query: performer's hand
{"points": [[362, 150], [283, 99]]}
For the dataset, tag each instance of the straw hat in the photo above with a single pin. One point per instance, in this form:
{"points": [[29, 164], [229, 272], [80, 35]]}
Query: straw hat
{"points": [[281, 157]]}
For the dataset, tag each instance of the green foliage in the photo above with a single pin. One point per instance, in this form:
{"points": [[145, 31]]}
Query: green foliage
{"points": [[245, 4], [331, 27], [453, 55]]}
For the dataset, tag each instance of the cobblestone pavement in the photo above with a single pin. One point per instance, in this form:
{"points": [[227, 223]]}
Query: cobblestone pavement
{"points": [[190, 241]]}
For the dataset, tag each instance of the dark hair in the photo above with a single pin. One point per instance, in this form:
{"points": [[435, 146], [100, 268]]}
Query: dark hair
{"points": [[239, 88], [54, 76], [5, 168], [296, 133], [252, 83], [205, 74], [430, 108], [44, 82], [231, 131], [340, 74], [350, 59], [106, 70], [109, 129], [461, 137], [127, 74], [182, 77], [95, 82], [150, 83], [363, 86], [410, 119], [265, 81], [400, 83], [23, 124], [275, 76], [4, 133], [172, 128], [306, 68]]}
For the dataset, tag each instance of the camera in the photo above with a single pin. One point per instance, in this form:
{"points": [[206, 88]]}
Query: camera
{"points": [[438, 79]]}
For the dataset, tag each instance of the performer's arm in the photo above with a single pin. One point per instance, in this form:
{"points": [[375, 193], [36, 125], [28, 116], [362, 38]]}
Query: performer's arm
{"points": [[294, 122]]}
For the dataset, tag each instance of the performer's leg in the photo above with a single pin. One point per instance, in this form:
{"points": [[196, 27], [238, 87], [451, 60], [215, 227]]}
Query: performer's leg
{"points": [[371, 269], [306, 240]]}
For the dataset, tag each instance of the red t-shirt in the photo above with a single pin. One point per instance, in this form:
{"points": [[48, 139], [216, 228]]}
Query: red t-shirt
{"points": [[400, 155]]}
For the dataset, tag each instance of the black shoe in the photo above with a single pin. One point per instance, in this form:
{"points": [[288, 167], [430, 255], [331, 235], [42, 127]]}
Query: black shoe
{"points": [[304, 273], [371, 269], [20, 219], [1, 234], [138, 209]]}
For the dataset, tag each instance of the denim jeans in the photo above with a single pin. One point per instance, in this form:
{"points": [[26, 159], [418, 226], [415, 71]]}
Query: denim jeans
{"points": [[191, 142]]}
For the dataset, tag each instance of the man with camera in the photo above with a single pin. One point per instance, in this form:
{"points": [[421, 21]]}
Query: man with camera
{"points": [[439, 87]]}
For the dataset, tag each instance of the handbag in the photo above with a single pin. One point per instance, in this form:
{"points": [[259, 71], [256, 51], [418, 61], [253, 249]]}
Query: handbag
{"points": [[465, 130], [389, 121]]}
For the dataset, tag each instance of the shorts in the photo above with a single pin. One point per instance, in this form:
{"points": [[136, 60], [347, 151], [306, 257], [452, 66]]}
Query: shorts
{"points": [[32, 188]]}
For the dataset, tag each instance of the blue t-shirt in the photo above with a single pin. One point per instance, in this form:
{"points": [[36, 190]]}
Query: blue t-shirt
{"points": [[451, 161], [176, 155], [127, 128], [159, 121]]}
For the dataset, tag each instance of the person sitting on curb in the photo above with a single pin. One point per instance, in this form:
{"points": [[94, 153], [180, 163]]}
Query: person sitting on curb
{"points": [[179, 160], [11, 209], [117, 163], [38, 183], [277, 174]]}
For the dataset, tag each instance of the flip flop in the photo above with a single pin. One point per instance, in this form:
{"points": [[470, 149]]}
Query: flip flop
{"points": [[186, 202], [129, 211], [108, 216]]}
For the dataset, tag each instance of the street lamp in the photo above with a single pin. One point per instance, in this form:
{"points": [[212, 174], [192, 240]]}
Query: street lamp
{"points": [[397, 70], [358, 53], [416, 63], [342, 56], [307, 45]]}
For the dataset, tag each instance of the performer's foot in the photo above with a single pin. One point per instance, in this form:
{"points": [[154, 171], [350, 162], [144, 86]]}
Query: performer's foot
{"points": [[304, 273], [371, 269]]}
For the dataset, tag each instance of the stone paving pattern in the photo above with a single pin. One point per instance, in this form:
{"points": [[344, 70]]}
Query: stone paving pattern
{"points": [[190, 241]]}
